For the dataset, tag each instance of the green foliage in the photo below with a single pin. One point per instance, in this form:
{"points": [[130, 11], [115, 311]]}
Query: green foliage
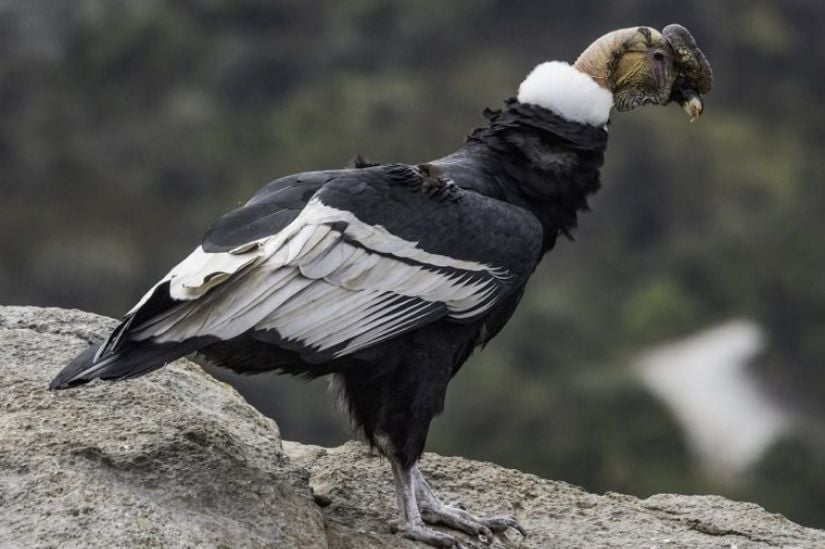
{"points": [[128, 126]]}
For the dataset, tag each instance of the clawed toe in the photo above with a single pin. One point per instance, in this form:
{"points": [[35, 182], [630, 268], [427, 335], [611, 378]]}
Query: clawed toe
{"points": [[459, 519], [455, 516], [416, 532], [500, 524]]}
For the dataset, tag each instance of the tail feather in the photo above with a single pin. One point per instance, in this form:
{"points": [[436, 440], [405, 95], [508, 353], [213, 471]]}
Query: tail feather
{"points": [[126, 363]]}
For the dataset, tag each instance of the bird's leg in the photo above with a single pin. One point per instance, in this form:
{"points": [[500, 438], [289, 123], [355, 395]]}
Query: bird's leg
{"points": [[452, 516], [412, 526]]}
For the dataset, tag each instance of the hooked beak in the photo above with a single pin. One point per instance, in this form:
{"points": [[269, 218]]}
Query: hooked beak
{"points": [[695, 76], [693, 104]]}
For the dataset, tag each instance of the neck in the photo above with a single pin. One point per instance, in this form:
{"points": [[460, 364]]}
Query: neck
{"points": [[575, 93], [596, 59], [596, 71], [534, 158]]}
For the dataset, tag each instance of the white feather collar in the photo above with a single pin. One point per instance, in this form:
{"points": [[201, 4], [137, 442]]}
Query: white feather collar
{"points": [[567, 91]]}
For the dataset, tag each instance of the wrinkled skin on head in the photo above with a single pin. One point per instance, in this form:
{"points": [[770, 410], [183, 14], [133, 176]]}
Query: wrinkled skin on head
{"points": [[642, 66]]}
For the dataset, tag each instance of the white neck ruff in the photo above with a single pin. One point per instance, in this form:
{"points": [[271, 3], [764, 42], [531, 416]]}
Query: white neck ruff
{"points": [[568, 92]]}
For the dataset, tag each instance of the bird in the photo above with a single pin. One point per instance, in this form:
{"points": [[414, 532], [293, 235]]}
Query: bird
{"points": [[387, 277]]}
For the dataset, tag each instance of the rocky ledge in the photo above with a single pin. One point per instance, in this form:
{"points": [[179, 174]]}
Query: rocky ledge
{"points": [[178, 459]]}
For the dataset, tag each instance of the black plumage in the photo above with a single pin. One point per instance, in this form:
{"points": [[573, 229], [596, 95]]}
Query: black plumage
{"points": [[480, 218]]}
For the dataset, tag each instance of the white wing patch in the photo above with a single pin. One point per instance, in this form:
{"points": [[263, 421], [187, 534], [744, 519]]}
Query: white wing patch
{"points": [[326, 281]]}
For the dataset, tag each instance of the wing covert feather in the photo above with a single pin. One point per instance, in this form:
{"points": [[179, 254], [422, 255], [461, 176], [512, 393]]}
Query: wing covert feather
{"points": [[342, 276]]}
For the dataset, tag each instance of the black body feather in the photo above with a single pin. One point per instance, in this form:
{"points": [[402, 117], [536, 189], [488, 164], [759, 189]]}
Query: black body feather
{"points": [[501, 200]]}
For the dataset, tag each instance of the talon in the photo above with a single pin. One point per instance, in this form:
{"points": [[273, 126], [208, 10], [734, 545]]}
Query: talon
{"points": [[423, 534], [455, 516], [500, 524], [483, 528]]}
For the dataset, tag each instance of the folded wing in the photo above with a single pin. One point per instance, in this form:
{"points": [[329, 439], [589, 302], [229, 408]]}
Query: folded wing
{"points": [[327, 285], [370, 256]]}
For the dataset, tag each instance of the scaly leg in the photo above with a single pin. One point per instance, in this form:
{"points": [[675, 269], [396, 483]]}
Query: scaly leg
{"points": [[435, 512], [412, 526]]}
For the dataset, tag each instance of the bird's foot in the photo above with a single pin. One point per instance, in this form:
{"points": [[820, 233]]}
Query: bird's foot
{"points": [[455, 517], [416, 531]]}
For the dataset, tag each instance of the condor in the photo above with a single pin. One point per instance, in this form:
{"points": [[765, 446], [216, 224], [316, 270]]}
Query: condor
{"points": [[389, 276]]}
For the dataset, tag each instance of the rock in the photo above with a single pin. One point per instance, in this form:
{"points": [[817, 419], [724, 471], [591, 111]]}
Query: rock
{"points": [[173, 459], [177, 459], [556, 514]]}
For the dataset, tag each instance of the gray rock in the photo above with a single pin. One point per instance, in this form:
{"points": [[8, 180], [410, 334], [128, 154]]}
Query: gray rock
{"points": [[177, 459], [171, 459]]}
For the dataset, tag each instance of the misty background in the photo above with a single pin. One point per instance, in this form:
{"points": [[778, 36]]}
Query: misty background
{"points": [[676, 346]]}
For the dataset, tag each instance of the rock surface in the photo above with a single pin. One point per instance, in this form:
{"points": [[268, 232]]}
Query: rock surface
{"points": [[177, 459]]}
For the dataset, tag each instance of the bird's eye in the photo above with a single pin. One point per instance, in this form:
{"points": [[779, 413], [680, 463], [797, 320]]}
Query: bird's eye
{"points": [[659, 56]]}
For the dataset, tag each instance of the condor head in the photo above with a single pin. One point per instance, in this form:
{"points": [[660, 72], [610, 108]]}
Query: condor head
{"points": [[642, 66]]}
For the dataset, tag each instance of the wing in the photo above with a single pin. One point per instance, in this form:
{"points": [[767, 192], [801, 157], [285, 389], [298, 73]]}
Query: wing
{"points": [[373, 254], [271, 209]]}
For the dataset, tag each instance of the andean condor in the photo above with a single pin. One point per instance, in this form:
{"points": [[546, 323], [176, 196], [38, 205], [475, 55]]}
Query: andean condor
{"points": [[388, 276]]}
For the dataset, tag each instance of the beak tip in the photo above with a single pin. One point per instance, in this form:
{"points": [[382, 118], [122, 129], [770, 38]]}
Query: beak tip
{"points": [[694, 107]]}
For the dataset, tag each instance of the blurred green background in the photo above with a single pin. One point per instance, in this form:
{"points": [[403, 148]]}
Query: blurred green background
{"points": [[126, 127]]}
